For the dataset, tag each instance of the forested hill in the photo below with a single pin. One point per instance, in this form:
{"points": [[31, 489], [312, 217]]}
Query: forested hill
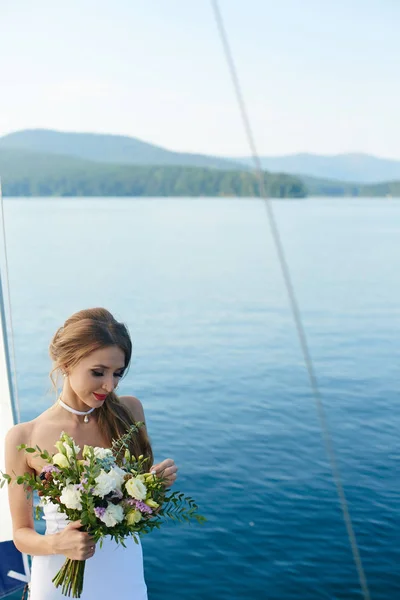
{"points": [[27, 173], [51, 163], [362, 169]]}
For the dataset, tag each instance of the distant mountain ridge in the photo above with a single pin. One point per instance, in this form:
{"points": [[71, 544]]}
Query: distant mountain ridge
{"points": [[119, 150], [113, 149], [350, 168]]}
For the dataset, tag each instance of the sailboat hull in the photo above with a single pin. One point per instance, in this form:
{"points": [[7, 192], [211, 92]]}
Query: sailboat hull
{"points": [[12, 570]]}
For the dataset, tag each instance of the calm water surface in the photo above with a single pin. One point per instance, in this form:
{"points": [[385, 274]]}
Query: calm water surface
{"points": [[218, 368]]}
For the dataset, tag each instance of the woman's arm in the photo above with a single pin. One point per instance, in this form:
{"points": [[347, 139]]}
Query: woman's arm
{"points": [[24, 535], [72, 543], [167, 468]]}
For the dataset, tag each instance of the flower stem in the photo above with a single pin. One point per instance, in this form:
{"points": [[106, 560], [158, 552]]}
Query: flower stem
{"points": [[70, 577]]}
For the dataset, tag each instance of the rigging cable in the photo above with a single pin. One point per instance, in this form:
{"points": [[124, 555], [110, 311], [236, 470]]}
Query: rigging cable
{"points": [[292, 300], [14, 370]]}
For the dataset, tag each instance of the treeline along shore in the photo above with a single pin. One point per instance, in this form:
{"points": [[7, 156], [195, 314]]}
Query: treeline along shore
{"points": [[26, 173], [31, 174]]}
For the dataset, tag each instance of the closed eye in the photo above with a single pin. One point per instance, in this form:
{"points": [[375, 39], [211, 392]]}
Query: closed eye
{"points": [[99, 374]]}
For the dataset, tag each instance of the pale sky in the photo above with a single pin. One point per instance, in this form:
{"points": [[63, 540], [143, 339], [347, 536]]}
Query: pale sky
{"points": [[317, 75]]}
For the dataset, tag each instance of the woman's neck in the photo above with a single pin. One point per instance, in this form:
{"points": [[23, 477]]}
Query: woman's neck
{"points": [[74, 403]]}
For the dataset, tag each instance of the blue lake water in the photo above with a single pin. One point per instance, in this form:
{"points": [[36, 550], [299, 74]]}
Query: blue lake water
{"points": [[218, 367]]}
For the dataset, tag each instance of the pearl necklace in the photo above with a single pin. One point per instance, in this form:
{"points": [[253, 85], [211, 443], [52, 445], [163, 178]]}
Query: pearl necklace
{"points": [[76, 412]]}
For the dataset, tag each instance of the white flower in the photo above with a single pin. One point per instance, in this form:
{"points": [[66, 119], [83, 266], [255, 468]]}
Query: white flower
{"points": [[118, 475], [71, 497], [114, 514], [133, 517], [87, 450], [105, 483], [68, 449], [60, 447], [101, 453], [136, 488], [60, 460], [64, 446]]}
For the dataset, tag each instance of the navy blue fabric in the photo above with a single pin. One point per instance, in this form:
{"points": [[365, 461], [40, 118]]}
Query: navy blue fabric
{"points": [[10, 559]]}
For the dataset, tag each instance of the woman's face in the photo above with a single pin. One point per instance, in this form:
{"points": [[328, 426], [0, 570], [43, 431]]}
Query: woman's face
{"points": [[97, 375]]}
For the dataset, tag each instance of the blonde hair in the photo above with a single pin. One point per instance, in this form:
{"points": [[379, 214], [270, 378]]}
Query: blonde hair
{"points": [[83, 333]]}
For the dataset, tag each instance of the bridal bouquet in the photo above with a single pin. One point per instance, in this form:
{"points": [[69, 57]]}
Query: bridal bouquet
{"points": [[110, 491]]}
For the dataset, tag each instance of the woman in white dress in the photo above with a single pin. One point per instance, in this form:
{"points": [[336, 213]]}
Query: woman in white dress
{"points": [[92, 351]]}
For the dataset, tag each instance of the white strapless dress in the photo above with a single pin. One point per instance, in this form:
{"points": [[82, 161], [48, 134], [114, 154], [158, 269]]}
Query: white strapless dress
{"points": [[113, 571]]}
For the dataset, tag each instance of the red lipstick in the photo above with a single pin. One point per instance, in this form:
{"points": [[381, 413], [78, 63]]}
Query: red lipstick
{"points": [[100, 396]]}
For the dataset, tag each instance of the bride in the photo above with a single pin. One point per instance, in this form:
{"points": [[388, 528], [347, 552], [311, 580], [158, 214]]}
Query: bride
{"points": [[92, 351]]}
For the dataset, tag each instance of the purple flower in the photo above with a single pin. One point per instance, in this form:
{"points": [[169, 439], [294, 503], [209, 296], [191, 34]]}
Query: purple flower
{"points": [[99, 511], [80, 486], [50, 469], [139, 505], [130, 502], [143, 507]]}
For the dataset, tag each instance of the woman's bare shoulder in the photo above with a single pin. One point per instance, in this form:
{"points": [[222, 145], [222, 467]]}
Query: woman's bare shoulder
{"points": [[22, 433], [134, 405], [19, 434]]}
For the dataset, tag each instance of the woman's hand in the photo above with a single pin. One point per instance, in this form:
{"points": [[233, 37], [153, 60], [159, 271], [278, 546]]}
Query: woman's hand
{"points": [[166, 469], [74, 544]]}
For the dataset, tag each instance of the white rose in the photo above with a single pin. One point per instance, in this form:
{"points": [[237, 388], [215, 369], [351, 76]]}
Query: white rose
{"points": [[71, 497], [118, 475], [105, 483], [114, 514], [136, 488], [101, 453]]}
